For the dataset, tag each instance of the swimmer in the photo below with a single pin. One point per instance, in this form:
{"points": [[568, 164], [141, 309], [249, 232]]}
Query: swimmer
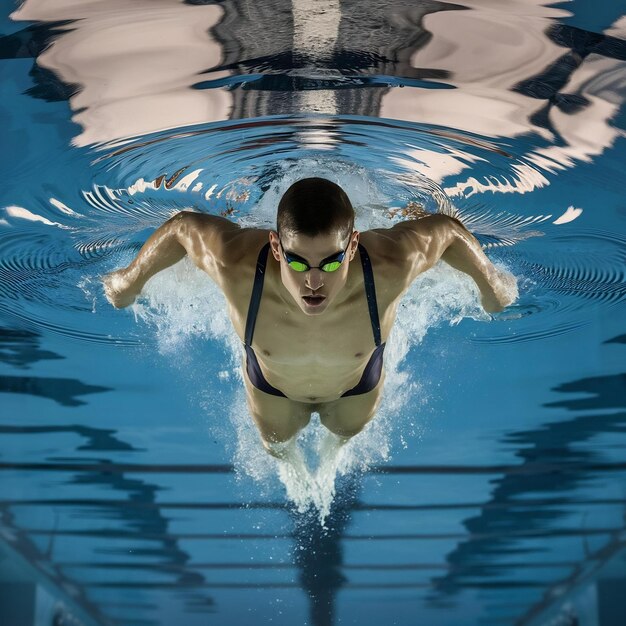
{"points": [[313, 301]]}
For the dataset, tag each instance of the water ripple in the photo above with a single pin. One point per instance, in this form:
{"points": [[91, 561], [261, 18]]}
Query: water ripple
{"points": [[52, 257], [573, 272], [592, 266]]}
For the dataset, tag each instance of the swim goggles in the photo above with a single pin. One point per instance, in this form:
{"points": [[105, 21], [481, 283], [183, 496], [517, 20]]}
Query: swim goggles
{"points": [[329, 264]]}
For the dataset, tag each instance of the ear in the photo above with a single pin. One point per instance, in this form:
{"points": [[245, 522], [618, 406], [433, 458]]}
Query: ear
{"points": [[275, 245], [354, 243]]}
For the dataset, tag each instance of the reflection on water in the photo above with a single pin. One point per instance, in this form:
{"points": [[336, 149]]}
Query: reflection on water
{"points": [[115, 507], [509, 126], [561, 82], [541, 498], [555, 466], [20, 348], [132, 519], [30, 43], [319, 556], [64, 391]]}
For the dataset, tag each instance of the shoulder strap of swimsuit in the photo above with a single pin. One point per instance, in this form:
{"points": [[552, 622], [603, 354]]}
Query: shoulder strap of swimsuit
{"points": [[370, 292], [257, 291]]}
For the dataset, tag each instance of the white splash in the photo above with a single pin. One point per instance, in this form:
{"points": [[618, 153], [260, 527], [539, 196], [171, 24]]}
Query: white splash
{"points": [[183, 303], [311, 462]]}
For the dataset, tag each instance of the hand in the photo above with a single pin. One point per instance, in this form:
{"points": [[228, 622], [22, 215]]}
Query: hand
{"points": [[118, 289], [504, 292]]}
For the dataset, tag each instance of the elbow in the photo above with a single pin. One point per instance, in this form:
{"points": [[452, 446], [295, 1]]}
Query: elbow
{"points": [[445, 226], [457, 233], [446, 233], [183, 217], [176, 222], [184, 223]]}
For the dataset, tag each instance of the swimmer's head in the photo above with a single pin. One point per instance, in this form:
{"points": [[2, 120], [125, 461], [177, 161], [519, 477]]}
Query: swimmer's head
{"points": [[315, 206], [315, 224]]}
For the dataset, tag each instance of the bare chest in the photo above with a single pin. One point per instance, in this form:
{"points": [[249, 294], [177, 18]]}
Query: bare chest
{"points": [[293, 340], [323, 354]]}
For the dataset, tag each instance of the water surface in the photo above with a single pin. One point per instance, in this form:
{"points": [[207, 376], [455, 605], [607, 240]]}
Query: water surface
{"points": [[491, 487]]}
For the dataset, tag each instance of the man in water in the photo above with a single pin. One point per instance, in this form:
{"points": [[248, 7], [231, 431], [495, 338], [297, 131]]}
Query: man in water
{"points": [[313, 301]]}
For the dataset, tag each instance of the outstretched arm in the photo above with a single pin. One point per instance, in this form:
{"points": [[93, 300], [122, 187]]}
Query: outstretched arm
{"points": [[441, 237], [196, 234]]}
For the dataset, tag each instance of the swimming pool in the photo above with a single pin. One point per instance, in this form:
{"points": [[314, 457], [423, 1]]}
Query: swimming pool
{"points": [[490, 488]]}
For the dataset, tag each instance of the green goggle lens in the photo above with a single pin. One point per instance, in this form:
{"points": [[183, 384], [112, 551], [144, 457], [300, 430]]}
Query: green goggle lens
{"points": [[331, 267], [298, 266], [332, 264]]}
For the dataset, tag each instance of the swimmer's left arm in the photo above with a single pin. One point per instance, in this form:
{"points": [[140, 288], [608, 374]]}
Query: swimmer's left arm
{"points": [[434, 237]]}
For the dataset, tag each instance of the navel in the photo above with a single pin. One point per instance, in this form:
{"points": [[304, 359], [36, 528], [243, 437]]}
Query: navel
{"points": [[358, 354], [265, 352]]}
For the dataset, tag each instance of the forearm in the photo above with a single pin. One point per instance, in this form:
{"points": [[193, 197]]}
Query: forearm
{"points": [[465, 254], [162, 249]]}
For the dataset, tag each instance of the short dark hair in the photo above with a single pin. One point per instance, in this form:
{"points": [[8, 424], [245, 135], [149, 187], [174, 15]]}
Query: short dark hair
{"points": [[315, 206]]}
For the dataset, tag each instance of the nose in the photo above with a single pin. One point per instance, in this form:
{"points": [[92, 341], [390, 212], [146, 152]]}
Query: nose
{"points": [[314, 279]]}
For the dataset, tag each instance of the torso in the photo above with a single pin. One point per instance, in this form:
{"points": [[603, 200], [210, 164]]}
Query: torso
{"points": [[311, 358]]}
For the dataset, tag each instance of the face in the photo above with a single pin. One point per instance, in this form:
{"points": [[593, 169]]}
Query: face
{"points": [[313, 290]]}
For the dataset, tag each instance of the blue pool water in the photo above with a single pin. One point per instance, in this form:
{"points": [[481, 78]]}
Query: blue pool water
{"points": [[491, 487]]}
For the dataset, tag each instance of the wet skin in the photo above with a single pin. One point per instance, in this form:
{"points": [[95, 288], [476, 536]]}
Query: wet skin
{"points": [[312, 350]]}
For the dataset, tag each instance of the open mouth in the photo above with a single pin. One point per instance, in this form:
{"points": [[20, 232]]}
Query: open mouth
{"points": [[314, 300]]}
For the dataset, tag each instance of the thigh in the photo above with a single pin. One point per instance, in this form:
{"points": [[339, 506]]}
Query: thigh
{"points": [[348, 416], [277, 418]]}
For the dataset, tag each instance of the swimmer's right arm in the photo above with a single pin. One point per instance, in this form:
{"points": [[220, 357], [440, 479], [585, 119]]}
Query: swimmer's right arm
{"points": [[198, 235]]}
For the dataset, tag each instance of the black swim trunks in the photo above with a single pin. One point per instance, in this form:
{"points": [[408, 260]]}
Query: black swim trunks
{"points": [[373, 369]]}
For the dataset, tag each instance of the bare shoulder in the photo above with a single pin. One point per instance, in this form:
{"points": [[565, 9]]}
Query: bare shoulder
{"points": [[417, 235], [242, 247], [226, 242], [409, 237], [407, 248]]}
